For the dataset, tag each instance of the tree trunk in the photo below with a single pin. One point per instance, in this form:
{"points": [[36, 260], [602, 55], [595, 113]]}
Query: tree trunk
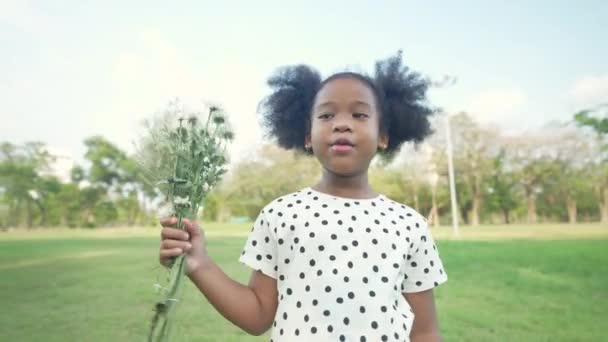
{"points": [[131, 218], [415, 188], [132, 214], [64, 218], [18, 209], [505, 213], [223, 213], [433, 217], [144, 210], [435, 210], [531, 208], [87, 217], [465, 215], [133, 206], [604, 206], [12, 214], [28, 214], [42, 210], [571, 206], [42, 215], [474, 213]]}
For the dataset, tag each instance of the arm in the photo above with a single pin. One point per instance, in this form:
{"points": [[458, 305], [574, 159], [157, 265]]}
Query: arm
{"points": [[425, 327], [251, 308]]}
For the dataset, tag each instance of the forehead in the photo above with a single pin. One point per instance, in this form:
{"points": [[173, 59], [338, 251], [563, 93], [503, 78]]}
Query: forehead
{"points": [[345, 90]]}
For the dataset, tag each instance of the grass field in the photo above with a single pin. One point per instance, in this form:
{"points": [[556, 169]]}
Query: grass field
{"points": [[541, 283]]}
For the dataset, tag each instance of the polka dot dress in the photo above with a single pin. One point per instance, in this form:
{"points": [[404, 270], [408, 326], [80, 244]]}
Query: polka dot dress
{"points": [[342, 265]]}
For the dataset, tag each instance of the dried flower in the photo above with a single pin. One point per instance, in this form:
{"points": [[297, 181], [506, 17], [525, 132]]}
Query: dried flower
{"points": [[184, 162]]}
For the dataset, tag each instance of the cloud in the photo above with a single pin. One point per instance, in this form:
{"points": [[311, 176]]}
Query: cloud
{"points": [[590, 90], [21, 16], [153, 71], [148, 74], [489, 104]]}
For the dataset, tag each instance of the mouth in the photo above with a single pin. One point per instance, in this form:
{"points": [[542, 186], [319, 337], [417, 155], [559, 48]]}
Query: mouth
{"points": [[342, 145]]}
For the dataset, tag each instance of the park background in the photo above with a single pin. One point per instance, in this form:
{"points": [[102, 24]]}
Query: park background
{"points": [[523, 86]]}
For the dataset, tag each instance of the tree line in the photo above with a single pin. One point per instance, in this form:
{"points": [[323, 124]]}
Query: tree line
{"points": [[555, 174]]}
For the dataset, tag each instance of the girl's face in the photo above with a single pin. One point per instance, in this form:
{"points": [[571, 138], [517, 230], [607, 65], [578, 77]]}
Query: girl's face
{"points": [[345, 132]]}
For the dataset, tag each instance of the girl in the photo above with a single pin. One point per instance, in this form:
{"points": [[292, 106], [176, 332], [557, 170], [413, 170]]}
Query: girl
{"points": [[334, 261]]}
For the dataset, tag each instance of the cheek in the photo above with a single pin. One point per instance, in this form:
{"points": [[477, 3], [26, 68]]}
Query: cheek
{"points": [[370, 130], [317, 131]]}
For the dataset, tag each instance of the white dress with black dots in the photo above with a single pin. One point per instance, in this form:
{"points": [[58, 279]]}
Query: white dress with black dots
{"points": [[342, 265]]}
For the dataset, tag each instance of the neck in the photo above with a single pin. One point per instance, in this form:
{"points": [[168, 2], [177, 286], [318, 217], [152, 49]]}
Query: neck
{"points": [[356, 186]]}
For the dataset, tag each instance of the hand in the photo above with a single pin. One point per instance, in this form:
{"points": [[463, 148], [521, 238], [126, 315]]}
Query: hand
{"points": [[175, 242]]}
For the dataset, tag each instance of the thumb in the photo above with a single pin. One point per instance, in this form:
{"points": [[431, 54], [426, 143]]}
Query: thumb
{"points": [[192, 228]]}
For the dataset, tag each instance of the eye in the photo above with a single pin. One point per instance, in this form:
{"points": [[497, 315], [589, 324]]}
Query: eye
{"points": [[360, 115], [325, 116]]}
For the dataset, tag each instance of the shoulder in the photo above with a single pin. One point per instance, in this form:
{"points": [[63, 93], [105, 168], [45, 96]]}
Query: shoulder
{"points": [[276, 207], [404, 213]]}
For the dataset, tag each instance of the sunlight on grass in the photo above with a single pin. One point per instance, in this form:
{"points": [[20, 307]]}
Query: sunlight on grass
{"points": [[77, 288]]}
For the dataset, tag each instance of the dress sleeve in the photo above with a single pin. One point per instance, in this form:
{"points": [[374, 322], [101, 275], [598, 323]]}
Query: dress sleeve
{"points": [[423, 269], [260, 250]]}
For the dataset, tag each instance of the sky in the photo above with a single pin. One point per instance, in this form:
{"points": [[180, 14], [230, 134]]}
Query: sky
{"points": [[73, 69]]}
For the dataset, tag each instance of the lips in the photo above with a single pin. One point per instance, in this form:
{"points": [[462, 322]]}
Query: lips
{"points": [[342, 141], [342, 145]]}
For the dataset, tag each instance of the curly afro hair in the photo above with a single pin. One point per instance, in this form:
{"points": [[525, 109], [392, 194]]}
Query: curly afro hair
{"points": [[400, 95]]}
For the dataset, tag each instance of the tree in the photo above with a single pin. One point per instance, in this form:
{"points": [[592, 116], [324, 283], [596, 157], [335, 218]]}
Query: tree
{"points": [[411, 166], [586, 118], [115, 172], [573, 153], [77, 174], [437, 172], [599, 179], [45, 189], [68, 206], [473, 150], [271, 173], [108, 163], [529, 154], [389, 181], [599, 166], [414, 178], [20, 179], [89, 198], [502, 187]]}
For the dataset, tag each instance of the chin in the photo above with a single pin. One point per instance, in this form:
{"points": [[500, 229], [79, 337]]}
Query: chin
{"points": [[343, 169]]}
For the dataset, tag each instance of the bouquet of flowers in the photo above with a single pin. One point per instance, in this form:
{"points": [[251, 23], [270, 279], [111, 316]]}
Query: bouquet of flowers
{"points": [[184, 157]]}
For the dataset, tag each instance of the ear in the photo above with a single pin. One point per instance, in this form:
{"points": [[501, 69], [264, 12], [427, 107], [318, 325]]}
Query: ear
{"points": [[383, 142], [307, 141]]}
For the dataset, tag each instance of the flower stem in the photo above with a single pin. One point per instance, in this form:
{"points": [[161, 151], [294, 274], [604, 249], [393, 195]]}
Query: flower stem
{"points": [[167, 307]]}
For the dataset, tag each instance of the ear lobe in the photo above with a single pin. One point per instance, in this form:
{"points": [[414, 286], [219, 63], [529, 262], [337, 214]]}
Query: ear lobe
{"points": [[383, 142], [307, 141]]}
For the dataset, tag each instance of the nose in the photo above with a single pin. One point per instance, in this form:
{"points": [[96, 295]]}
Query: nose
{"points": [[342, 125]]}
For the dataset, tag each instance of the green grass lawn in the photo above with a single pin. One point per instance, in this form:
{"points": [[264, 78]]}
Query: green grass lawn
{"points": [[98, 285]]}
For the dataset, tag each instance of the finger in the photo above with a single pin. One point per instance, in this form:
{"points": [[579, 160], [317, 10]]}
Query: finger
{"points": [[174, 234], [167, 254], [171, 244], [168, 221], [192, 228]]}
